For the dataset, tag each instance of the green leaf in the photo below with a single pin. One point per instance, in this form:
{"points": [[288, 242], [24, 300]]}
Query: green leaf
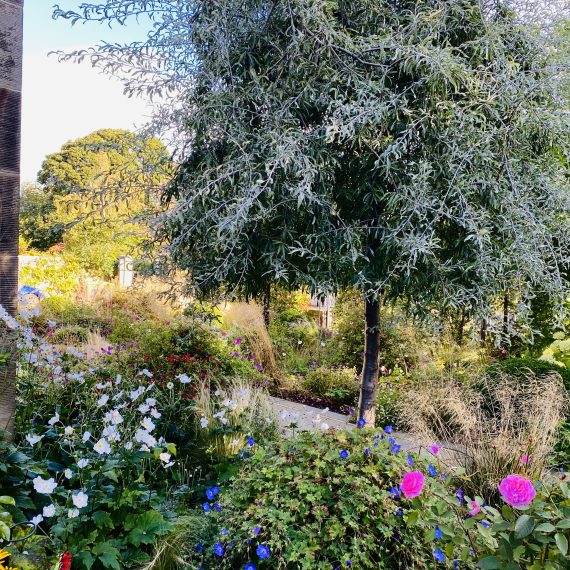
{"points": [[562, 543], [545, 527], [563, 524], [85, 558], [524, 526], [490, 563], [108, 555], [101, 518], [6, 500], [4, 531], [145, 527]]}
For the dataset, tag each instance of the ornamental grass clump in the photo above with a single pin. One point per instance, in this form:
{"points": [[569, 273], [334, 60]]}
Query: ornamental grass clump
{"points": [[503, 426]]}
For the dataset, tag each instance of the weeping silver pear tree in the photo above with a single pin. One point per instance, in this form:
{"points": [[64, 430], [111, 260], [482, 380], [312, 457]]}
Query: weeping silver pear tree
{"points": [[11, 22], [409, 148]]}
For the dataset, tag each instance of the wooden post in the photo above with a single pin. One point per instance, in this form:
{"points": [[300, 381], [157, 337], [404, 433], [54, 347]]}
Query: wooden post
{"points": [[11, 31]]}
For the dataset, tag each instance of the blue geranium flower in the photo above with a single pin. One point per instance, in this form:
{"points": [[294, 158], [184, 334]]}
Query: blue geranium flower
{"points": [[199, 547], [361, 422], [343, 454], [219, 549], [432, 470], [250, 442], [410, 460], [263, 551], [210, 494], [349, 562], [438, 555], [399, 512], [395, 448], [394, 492], [225, 531], [215, 490], [438, 533], [460, 496], [367, 451], [391, 441], [206, 507], [388, 429], [256, 530], [250, 566], [217, 506]]}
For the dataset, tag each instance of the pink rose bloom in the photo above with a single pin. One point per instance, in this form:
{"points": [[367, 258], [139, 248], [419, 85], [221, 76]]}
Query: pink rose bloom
{"points": [[517, 491], [434, 449], [525, 459], [412, 484], [475, 508]]}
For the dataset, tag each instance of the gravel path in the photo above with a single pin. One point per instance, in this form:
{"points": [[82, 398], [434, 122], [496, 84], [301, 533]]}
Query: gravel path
{"points": [[308, 418]]}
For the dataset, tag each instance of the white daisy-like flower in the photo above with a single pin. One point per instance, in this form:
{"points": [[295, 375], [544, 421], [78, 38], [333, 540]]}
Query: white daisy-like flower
{"points": [[148, 424], [146, 373], [44, 486], [53, 420], [80, 499], [169, 385], [184, 379], [155, 413], [204, 422], [129, 445], [72, 513], [217, 393], [82, 463], [49, 511], [52, 324], [113, 417], [68, 430], [165, 457], [68, 473], [151, 401], [136, 393], [118, 380], [102, 447], [32, 438], [86, 436], [143, 408], [37, 519], [102, 400]]}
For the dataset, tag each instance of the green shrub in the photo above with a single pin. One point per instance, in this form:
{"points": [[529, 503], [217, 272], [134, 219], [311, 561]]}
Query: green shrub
{"points": [[339, 385], [71, 334], [519, 368], [334, 500]]}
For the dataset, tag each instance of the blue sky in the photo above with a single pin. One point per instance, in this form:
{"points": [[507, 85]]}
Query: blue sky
{"points": [[64, 101]]}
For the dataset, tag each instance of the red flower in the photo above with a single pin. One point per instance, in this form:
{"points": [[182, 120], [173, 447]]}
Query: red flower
{"points": [[65, 561]]}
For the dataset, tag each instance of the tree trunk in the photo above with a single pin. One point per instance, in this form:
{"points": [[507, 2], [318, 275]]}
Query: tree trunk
{"points": [[266, 306], [505, 336], [369, 381], [11, 27], [461, 328]]}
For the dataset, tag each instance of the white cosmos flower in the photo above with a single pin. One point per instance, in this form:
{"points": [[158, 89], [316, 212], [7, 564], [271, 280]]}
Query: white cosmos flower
{"points": [[54, 420], [37, 519], [44, 486], [155, 413], [169, 385], [136, 393], [129, 445], [204, 422], [86, 436], [102, 400], [82, 463], [80, 499], [184, 379], [118, 379], [52, 324], [143, 408], [112, 433], [32, 438], [146, 373], [151, 401], [49, 511], [72, 513], [165, 457], [68, 430], [113, 417], [68, 473], [102, 447]]}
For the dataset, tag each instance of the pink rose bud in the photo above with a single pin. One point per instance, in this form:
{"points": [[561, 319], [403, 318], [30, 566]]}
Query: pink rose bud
{"points": [[475, 508], [525, 459], [412, 484], [434, 449], [517, 491]]}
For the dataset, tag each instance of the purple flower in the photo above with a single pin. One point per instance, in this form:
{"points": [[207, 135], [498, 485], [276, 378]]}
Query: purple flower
{"points": [[256, 530], [343, 454], [263, 551], [438, 555], [206, 507], [237, 341], [210, 494], [388, 429], [432, 471], [367, 451], [410, 460], [250, 442], [249, 566], [217, 506], [395, 448], [361, 422]]}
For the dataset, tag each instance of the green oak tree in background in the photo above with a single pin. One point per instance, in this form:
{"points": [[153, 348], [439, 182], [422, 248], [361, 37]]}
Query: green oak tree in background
{"points": [[407, 148]]}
